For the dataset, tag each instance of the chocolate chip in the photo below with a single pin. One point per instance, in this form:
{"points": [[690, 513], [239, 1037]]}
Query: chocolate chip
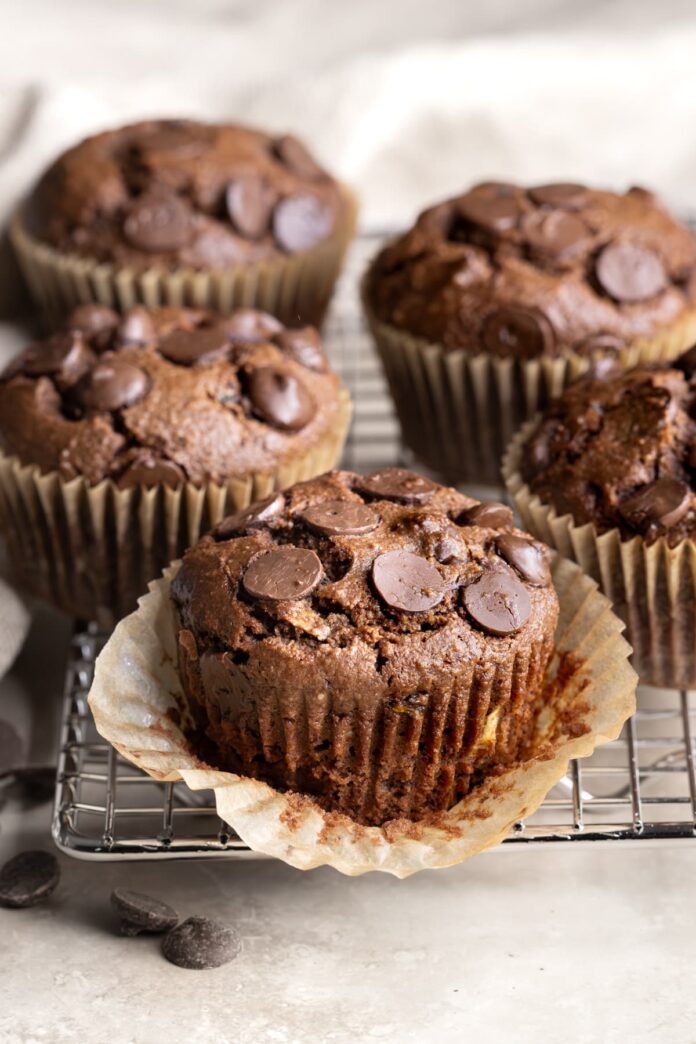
{"points": [[95, 321], [490, 514], [497, 602], [28, 878], [629, 272], [529, 559], [344, 517], [113, 383], [398, 484], [495, 213], [184, 137], [199, 943], [250, 324], [249, 205], [136, 327], [407, 582], [63, 355], [149, 470], [292, 153], [663, 502], [557, 233], [565, 195], [188, 347], [600, 344], [256, 516], [283, 574], [141, 913], [279, 398], [300, 222], [36, 784], [518, 332], [159, 223], [304, 346]]}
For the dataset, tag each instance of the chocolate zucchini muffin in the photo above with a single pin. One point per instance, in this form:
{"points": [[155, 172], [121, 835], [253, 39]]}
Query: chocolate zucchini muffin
{"points": [[125, 437], [177, 195], [377, 642], [497, 298]]}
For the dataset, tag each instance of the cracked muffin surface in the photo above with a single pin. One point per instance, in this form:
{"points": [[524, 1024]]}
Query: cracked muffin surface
{"points": [[378, 642]]}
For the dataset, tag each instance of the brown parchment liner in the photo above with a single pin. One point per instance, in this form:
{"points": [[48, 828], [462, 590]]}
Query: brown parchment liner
{"points": [[91, 550], [652, 586], [294, 287], [136, 699], [459, 411]]}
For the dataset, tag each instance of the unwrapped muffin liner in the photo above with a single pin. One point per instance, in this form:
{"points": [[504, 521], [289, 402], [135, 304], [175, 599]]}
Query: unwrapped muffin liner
{"points": [[295, 287], [458, 411], [91, 550], [652, 586], [139, 706]]}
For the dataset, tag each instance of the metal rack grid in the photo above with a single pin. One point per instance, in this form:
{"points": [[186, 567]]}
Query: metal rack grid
{"points": [[641, 787]]}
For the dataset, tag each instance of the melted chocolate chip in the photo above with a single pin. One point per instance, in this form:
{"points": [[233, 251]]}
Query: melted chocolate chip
{"points": [[136, 327], [398, 484], [629, 272], [497, 602], [159, 223], [112, 384], [279, 398], [557, 233], [63, 355], [521, 332], [283, 574], [199, 943], [529, 559], [292, 153], [250, 324], [300, 222], [149, 470], [565, 195], [341, 517], [95, 321], [490, 514], [663, 502], [141, 913], [188, 347], [407, 582], [495, 213], [256, 516], [28, 878], [304, 346], [249, 205]]}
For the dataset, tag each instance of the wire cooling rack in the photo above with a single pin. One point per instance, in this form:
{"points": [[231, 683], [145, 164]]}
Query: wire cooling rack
{"points": [[641, 787]]}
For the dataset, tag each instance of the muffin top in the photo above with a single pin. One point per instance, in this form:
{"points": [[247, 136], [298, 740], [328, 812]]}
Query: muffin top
{"points": [[167, 395], [522, 273], [620, 451], [175, 192], [402, 582]]}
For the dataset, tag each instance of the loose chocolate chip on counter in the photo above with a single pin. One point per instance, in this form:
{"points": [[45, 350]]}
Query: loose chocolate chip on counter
{"points": [[36, 784], [629, 272], [398, 484], [522, 332], [250, 324], [341, 517], [556, 232], [497, 602], [136, 327], [188, 347], [495, 213], [96, 321], [279, 398], [304, 346], [490, 514], [113, 383], [256, 516], [566, 195], [292, 153], [199, 943], [300, 222], [663, 502], [149, 470], [159, 223], [141, 913], [283, 574], [28, 878], [529, 559], [600, 344], [407, 582], [249, 204]]}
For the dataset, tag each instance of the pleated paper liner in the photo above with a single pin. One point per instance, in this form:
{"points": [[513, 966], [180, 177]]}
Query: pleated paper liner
{"points": [[136, 700], [91, 550], [459, 411], [294, 287], [652, 586]]}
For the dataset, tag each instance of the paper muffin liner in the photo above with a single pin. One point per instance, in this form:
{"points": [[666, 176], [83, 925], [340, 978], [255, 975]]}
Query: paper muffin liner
{"points": [[91, 550], [459, 411], [652, 586], [139, 707], [295, 287]]}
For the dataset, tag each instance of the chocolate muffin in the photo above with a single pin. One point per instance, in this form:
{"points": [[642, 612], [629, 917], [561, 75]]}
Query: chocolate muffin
{"points": [[496, 299], [125, 437], [377, 642], [608, 476], [226, 215]]}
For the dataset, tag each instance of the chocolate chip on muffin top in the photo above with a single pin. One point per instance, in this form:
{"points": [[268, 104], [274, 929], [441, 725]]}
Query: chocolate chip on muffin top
{"points": [[523, 273], [166, 396]]}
